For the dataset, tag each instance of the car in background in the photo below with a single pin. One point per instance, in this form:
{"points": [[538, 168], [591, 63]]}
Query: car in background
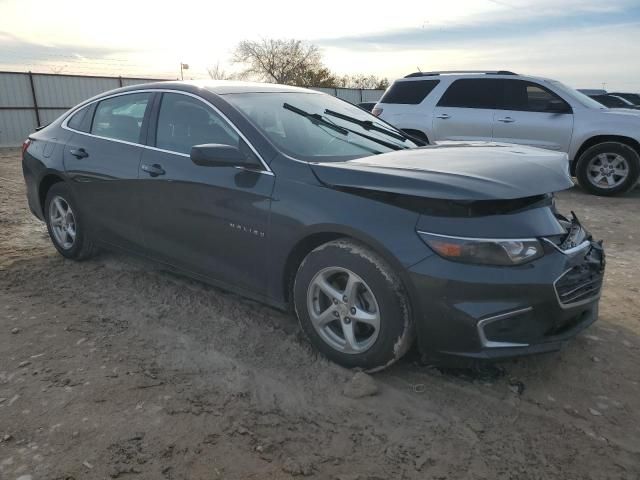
{"points": [[603, 145], [592, 91], [368, 106], [614, 101], [630, 97], [305, 202]]}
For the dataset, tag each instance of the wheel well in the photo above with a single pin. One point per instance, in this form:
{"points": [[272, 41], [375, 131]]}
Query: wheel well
{"points": [[601, 139], [416, 133], [45, 184], [299, 252]]}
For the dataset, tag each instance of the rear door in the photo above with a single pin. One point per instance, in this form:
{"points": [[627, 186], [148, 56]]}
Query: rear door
{"points": [[465, 110], [102, 159], [531, 114], [211, 221]]}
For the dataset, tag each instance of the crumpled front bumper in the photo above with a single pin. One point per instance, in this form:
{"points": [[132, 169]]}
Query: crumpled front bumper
{"points": [[476, 312]]}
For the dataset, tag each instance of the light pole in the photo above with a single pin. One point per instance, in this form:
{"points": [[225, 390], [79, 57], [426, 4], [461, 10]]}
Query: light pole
{"points": [[183, 66]]}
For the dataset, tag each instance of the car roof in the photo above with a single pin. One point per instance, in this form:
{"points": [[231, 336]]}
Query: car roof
{"points": [[223, 87], [499, 74]]}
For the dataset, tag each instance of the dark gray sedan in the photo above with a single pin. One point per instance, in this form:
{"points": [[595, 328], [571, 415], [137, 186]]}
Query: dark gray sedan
{"points": [[308, 203]]}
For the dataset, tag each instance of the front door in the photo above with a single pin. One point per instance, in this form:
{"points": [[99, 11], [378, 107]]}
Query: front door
{"points": [[533, 115], [211, 221]]}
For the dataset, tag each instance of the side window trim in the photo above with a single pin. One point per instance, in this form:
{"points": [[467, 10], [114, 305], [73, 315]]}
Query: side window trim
{"points": [[146, 120], [87, 121], [267, 170], [152, 131]]}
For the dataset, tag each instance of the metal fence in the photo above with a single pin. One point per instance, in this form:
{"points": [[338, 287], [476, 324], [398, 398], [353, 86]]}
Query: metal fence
{"points": [[28, 100]]}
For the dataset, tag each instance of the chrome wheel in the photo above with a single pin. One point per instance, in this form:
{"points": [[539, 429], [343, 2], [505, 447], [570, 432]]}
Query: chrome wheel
{"points": [[63, 222], [343, 310], [607, 170]]}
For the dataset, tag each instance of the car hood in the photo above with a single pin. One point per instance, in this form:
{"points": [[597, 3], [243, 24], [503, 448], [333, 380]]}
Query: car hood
{"points": [[454, 171]]}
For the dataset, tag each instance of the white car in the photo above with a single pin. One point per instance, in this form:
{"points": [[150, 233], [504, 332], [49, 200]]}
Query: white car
{"points": [[603, 145]]}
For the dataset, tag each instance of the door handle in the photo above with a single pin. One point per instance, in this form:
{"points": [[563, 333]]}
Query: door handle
{"points": [[444, 116], [506, 120], [79, 153], [153, 170]]}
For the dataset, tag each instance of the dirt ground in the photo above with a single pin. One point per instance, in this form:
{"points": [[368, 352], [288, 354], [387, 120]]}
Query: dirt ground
{"points": [[112, 368]]}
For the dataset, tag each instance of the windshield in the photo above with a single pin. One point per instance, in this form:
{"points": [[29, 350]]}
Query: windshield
{"points": [[317, 127], [579, 97]]}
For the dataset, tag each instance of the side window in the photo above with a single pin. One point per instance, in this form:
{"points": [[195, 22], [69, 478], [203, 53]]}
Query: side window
{"points": [[184, 121], [471, 93], [76, 120], [409, 92], [121, 117], [530, 97]]}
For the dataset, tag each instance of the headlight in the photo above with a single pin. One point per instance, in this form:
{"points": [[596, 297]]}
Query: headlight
{"points": [[484, 251]]}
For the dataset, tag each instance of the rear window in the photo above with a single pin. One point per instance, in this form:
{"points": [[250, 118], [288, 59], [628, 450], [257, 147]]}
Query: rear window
{"points": [[471, 93], [409, 92]]}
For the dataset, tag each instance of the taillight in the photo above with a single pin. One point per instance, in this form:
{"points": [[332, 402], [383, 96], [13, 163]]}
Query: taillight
{"points": [[25, 145], [376, 111]]}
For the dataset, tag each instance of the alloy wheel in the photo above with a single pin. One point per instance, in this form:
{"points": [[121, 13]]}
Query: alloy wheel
{"points": [[607, 170], [63, 222], [343, 310]]}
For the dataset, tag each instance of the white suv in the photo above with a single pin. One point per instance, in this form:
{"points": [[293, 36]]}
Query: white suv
{"points": [[603, 145]]}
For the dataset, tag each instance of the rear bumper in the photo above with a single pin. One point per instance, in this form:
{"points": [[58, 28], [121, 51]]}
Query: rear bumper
{"points": [[467, 312]]}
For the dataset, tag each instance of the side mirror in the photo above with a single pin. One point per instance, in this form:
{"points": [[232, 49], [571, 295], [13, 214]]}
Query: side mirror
{"points": [[218, 155], [558, 106]]}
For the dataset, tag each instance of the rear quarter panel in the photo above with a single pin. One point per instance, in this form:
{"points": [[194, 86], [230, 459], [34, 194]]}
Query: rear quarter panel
{"points": [[43, 157]]}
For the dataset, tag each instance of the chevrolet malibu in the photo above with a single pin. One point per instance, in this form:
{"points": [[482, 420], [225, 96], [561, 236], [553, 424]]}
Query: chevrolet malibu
{"points": [[308, 203]]}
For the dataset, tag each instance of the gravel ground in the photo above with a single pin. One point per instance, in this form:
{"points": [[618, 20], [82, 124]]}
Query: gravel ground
{"points": [[112, 368]]}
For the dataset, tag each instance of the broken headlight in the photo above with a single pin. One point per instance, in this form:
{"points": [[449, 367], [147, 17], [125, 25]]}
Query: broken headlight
{"points": [[484, 251]]}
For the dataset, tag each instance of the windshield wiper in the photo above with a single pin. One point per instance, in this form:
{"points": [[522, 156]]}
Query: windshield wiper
{"points": [[319, 120], [316, 118], [366, 124]]}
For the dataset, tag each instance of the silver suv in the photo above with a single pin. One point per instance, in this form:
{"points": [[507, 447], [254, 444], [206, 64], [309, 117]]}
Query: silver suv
{"points": [[603, 145]]}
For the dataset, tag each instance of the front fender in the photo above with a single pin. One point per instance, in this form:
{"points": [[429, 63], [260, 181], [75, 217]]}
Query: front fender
{"points": [[387, 229]]}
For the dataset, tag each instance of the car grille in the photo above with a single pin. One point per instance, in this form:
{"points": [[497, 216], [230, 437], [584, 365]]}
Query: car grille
{"points": [[578, 284]]}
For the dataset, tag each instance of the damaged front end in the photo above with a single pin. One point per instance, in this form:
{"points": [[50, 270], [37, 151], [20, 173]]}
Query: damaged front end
{"points": [[504, 274], [494, 310], [582, 281]]}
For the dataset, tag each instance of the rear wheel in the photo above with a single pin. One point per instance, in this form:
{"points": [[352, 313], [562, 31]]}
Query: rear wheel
{"points": [[608, 168], [65, 227], [352, 307]]}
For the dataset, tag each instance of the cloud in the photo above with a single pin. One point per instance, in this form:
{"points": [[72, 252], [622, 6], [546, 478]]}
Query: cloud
{"points": [[489, 28], [11, 45]]}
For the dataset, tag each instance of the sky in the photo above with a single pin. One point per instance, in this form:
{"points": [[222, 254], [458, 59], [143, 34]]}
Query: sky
{"points": [[584, 43]]}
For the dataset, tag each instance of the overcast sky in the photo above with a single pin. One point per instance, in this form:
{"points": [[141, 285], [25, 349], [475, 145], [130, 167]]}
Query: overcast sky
{"points": [[584, 43]]}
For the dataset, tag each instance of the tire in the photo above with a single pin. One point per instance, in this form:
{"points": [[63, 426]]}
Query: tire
{"points": [[78, 247], [598, 162], [377, 291]]}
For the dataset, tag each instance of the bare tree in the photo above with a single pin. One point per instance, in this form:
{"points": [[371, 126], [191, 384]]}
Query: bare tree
{"points": [[291, 62], [363, 81], [216, 72], [58, 69]]}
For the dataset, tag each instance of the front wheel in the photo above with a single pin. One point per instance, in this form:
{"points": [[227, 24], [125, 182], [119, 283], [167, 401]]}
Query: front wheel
{"points": [[352, 306], [608, 168]]}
